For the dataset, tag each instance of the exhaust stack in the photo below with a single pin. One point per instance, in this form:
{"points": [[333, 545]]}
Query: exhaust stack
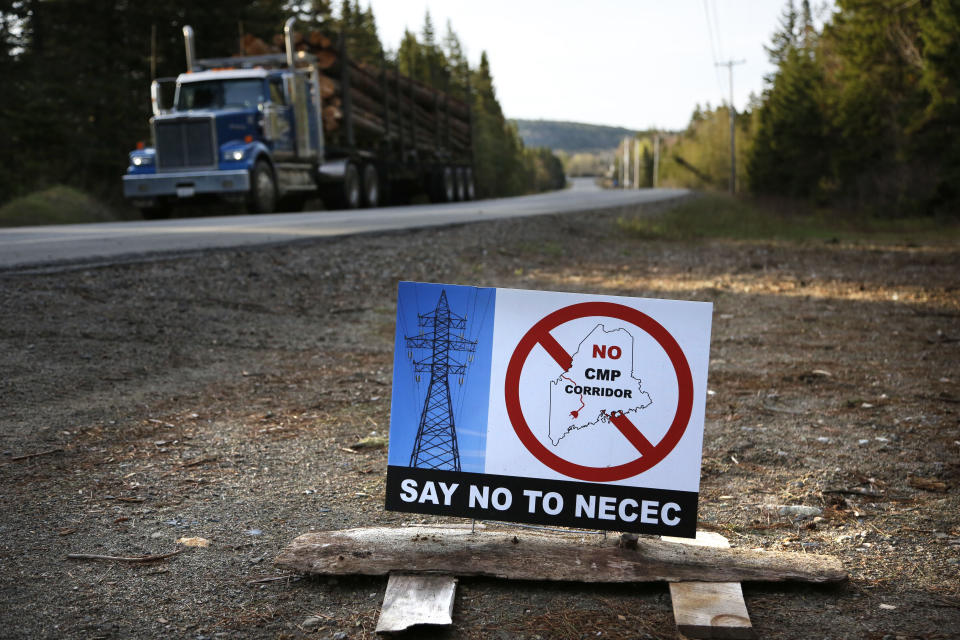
{"points": [[288, 38], [188, 42]]}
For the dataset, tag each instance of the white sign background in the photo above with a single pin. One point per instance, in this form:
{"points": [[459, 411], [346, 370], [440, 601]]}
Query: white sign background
{"points": [[599, 445]]}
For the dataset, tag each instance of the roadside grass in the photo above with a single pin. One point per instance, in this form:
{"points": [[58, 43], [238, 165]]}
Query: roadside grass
{"points": [[55, 205], [720, 216]]}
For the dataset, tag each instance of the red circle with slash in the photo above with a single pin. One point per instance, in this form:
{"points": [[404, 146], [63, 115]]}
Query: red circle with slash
{"points": [[650, 454]]}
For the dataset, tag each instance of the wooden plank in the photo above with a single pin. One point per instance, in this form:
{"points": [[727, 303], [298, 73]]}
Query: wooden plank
{"points": [[538, 556], [710, 609], [413, 600]]}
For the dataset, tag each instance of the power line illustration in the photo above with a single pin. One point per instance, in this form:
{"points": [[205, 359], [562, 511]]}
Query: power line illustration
{"points": [[436, 443]]}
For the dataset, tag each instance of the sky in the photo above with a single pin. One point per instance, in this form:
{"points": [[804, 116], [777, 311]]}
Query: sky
{"points": [[633, 63]]}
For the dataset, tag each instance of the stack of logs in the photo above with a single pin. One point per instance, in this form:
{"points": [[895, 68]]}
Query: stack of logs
{"points": [[382, 103]]}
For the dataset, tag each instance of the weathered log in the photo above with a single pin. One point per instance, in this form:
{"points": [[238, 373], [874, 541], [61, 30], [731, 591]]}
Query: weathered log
{"points": [[364, 102], [326, 59], [368, 123], [423, 94], [328, 86], [536, 556], [331, 116], [254, 46], [317, 40]]}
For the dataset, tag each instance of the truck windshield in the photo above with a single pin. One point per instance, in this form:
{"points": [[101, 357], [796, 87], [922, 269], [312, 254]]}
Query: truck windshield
{"points": [[219, 94]]}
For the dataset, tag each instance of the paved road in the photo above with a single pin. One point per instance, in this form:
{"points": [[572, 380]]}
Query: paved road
{"points": [[106, 242]]}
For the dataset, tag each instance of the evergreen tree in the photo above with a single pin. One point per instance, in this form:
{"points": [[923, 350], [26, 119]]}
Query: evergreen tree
{"points": [[785, 38], [874, 71], [498, 166], [316, 13], [937, 128], [457, 66], [433, 59], [410, 58], [787, 151], [787, 156]]}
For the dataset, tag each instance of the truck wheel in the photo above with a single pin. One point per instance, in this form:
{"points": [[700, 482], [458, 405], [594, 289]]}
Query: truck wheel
{"points": [[371, 186], [351, 187], [449, 185], [471, 190], [461, 183], [263, 189]]}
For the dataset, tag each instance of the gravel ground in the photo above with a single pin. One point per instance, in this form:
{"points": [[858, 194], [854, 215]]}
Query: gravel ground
{"points": [[221, 396]]}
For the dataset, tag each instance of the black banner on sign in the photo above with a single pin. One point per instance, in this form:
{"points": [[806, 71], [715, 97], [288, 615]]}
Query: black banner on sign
{"points": [[584, 505]]}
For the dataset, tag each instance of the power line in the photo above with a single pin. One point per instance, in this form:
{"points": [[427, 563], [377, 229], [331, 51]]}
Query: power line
{"points": [[716, 29], [713, 50]]}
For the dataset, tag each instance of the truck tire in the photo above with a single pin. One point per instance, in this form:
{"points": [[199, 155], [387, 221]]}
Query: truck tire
{"points": [[461, 183], [471, 189], [263, 189], [350, 188], [449, 185], [371, 186]]}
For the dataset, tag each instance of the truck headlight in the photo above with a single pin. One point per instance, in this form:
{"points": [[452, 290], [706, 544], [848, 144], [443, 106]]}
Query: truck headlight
{"points": [[141, 161], [233, 155]]}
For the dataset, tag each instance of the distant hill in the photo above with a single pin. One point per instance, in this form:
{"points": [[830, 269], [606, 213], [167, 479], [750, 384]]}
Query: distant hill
{"points": [[572, 137]]}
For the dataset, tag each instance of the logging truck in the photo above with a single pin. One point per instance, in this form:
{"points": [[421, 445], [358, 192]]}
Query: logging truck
{"points": [[270, 129]]}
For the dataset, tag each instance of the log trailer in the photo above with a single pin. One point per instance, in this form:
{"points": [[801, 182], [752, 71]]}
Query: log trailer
{"points": [[271, 130]]}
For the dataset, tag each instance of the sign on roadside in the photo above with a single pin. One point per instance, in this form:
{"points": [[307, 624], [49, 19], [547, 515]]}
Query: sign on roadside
{"points": [[548, 408]]}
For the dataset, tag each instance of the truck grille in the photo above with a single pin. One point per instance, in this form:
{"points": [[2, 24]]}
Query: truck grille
{"points": [[185, 143]]}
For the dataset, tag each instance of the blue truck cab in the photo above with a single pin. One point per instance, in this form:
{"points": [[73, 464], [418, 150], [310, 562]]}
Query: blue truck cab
{"points": [[244, 128]]}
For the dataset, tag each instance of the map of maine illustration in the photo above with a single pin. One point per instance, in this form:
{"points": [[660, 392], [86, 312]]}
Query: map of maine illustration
{"points": [[599, 383]]}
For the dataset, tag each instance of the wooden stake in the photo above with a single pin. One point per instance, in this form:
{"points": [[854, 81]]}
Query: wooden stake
{"points": [[414, 600], [710, 609]]}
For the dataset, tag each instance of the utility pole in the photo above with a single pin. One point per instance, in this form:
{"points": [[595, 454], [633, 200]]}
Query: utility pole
{"points": [[436, 444], [656, 159], [624, 162], [729, 64], [636, 163]]}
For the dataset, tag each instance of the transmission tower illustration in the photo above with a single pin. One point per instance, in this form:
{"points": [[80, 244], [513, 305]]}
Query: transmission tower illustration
{"points": [[436, 444]]}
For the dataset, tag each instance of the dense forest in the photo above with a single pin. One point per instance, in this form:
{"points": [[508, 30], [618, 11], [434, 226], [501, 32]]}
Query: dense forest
{"points": [[863, 111], [77, 74]]}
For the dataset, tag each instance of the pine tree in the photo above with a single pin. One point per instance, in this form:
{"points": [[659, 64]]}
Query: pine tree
{"points": [[457, 64], [873, 74], [433, 58], [787, 155], [785, 38], [409, 58], [937, 128]]}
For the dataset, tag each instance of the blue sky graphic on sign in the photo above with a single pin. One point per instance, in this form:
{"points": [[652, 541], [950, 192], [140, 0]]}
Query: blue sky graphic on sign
{"points": [[468, 399]]}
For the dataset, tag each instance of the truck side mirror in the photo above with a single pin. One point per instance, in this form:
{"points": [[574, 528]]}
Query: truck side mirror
{"points": [[161, 95]]}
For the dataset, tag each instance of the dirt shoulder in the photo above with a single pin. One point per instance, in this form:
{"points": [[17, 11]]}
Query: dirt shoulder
{"points": [[219, 396]]}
